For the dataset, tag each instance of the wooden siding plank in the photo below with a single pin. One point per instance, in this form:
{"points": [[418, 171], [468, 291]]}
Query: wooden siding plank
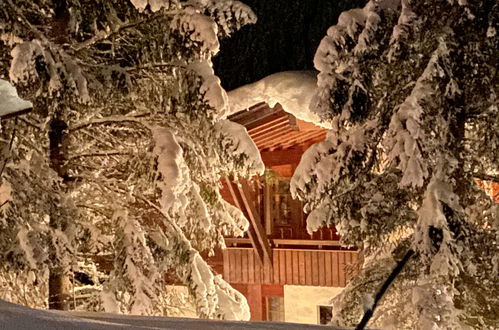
{"points": [[282, 267], [258, 271], [328, 266], [350, 262], [275, 257], [341, 269], [267, 272], [301, 265], [296, 268], [226, 264], [315, 268], [289, 267], [237, 266], [322, 270], [232, 267], [251, 266], [308, 268], [244, 265], [334, 264]]}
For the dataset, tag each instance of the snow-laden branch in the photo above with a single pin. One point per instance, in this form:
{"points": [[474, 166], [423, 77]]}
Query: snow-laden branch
{"points": [[108, 120], [106, 34], [226, 301]]}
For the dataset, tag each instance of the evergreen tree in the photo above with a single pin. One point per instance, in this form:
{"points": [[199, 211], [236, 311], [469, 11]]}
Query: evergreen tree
{"points": [[128, 143], [410, 89]]}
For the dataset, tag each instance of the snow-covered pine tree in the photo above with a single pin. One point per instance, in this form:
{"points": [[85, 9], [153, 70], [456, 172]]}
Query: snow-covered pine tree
{"points": [[410, 89], [128, 123]]}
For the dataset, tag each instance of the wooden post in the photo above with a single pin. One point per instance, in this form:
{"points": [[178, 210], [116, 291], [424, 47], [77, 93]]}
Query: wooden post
{"points": [[242, 196], [255, 219], [267, 208]]}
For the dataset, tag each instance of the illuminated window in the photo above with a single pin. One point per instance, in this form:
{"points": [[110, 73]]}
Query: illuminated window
{"points": [[275, 310]]}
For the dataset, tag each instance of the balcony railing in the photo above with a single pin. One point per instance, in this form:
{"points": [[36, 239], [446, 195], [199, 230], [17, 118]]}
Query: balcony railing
{"points": [[289, 266]]}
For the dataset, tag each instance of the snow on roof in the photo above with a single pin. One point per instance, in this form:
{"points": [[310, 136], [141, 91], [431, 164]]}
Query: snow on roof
{"points": [[9, 101], [18, 317], [293, 90]]}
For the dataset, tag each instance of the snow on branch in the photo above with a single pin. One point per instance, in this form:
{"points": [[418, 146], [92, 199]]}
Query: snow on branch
{"points": [[237, 142], [10, 101], [229, 15], [198, 29], [214, 297], [154, 5], [62, 71], [211, 89]]}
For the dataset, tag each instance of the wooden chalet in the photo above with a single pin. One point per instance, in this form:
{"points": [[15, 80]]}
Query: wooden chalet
{"points": [[278, 259]]}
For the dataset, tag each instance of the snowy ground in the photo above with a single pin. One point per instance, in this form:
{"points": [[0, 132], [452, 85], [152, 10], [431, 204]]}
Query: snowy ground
{"points": [[14, 317]]}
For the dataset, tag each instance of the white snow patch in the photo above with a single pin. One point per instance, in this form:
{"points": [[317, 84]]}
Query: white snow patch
{"points": [[318, 217], [172, 166], [241, 143], [293, 90], [198, 28], [10, 102], [212, 91], [14, 316]]}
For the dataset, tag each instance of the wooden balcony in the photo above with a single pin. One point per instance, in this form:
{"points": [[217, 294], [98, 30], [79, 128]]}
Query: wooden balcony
{"points": [[289, 266], [284, 242]]}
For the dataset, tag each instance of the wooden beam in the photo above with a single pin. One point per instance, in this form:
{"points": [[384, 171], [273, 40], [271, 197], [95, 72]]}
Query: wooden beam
{"points": [[269, 123], [255, 218], [278, 140], [302, 137], [277, 136], [233, 194], [257, 132], [251, 232], [286, 241], [272, 135], [281, 157], [255, 118]]}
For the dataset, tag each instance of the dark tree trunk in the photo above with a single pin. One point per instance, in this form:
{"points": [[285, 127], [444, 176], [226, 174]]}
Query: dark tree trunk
{"points": [[59, 294]]}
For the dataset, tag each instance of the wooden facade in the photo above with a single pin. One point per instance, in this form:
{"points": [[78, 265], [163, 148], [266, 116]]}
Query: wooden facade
{"points": [[277, 250], [289, 266]]}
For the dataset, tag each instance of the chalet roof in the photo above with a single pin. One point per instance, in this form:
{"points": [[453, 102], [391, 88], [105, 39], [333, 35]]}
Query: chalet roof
{"points": [[274, 129]]}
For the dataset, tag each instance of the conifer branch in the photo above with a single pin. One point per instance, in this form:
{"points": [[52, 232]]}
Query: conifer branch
{"points": [[370, 311]]}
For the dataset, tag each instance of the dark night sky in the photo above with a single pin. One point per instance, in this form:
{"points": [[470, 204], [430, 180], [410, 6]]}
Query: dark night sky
{"points": [[284, 38]]}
